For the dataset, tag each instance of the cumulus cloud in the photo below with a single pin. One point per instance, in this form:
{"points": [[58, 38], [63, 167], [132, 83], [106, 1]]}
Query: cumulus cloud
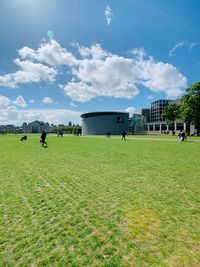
{"points": [[116, 76], [108, 15], [6, 81], [47, 100], [38, 65], [138, 52], [13, 115], [29, 73], [4, 101], [172, 51], [93, 52], [95, 72], [49, 53], [20, 102], [162, 77], [31, 101]]}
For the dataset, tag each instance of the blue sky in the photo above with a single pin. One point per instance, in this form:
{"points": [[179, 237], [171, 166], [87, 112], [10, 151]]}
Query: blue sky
{"points": [[101, 55]]}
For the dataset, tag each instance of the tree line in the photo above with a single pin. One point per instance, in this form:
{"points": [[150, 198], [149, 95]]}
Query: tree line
{"points": [[66, 129]]}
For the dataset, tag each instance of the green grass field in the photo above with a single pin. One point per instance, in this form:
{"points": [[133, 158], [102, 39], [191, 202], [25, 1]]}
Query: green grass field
{"points": [[86, 201]]}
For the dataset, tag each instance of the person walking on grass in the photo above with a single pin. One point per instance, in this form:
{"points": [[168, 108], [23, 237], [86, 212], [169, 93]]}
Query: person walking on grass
{"points": [[43, 139], [124, 135], [108, 134]]}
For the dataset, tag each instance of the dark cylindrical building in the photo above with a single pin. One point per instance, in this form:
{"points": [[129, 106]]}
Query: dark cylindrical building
{"points": [[103, 122]]}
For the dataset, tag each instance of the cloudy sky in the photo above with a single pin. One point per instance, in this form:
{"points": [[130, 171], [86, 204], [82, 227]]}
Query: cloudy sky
{"points": [[61, 58]]}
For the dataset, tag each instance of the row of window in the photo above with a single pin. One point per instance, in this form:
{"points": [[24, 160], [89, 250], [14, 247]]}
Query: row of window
{"points": [[179, 127]]}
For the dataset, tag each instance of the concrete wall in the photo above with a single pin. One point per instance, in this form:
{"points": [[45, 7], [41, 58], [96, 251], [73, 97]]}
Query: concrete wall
{"points": [[102, 124]]}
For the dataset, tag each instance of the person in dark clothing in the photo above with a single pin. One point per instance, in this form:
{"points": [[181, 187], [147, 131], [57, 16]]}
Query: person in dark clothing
{"points": [[180, 135], [124, 135], [183, 136], [43, 138], [60, 133], [79, 132], [23, 138], [108, 134]]}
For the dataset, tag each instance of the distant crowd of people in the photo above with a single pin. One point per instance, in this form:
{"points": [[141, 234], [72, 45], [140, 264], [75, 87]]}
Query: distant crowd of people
{"points": [[182, 136], [43, 136]]}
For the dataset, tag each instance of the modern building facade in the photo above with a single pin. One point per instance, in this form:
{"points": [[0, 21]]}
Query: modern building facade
{"points": [[146, 113], [153, 123], [103, 122], [157, 108], [136, 124]]}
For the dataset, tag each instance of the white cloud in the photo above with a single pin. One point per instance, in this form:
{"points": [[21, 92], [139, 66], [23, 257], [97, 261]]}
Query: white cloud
{"points": [[80, 91], [108, 15], [34, 72], [162, 77], [172, 51], [12, 115], [6, 81], [29, 73], [31, 101], [96, 72], [138, 52], [95, 52], [50, 53], [4, 101], [130, 110], [47, 100], [73, 105], [103, 75], [193, 45], [20, 102], [116, 76]]}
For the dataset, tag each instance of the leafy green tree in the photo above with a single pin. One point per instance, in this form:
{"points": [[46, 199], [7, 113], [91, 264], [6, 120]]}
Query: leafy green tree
{"points": [[66, 129], [171, 113], [191, 105]]}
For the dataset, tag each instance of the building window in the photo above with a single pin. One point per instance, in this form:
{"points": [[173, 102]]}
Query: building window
{"points": [[164, 127], [150, 127], [179, 126]]}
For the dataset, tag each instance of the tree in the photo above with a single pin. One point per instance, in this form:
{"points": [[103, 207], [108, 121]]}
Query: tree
{"points": [[170, 114], [191, 105]]}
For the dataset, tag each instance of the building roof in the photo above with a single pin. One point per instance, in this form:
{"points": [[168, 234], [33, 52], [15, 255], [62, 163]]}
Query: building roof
{"points": [[40, 122], [102, 113]]}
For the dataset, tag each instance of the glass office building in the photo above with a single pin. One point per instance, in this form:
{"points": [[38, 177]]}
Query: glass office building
{"points": [[157, 108]]}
